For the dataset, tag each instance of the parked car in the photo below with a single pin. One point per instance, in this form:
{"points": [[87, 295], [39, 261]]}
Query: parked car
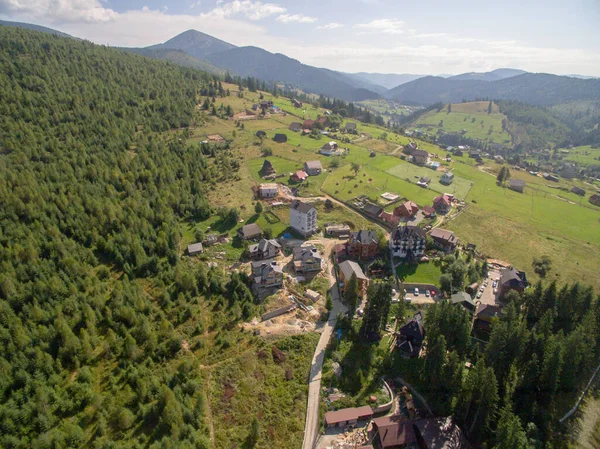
{"points": [[407, 300], [494, 284], [495, 291], [427, 293], [394, 292], [416, 291], [479, 294], [395, 300], [482, 288], [360, 312], [432, 293]]}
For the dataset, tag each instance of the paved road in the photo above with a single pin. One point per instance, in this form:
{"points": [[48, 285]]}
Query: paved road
{"points": [[311, 427]]}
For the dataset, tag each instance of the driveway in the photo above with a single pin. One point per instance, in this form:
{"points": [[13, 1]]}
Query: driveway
{"points": [[311, 427], [488, 296]]}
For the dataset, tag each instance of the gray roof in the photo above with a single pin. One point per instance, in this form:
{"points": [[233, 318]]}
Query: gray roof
{"points": [[463, 297], [306, 252], [422, 153], [408, 231], [301, 207], [351, 125], [313, 165], [194, 248], [250, 230], [513, 278], [365, 237], [425, 179], [264, 244], [372, 209], [349, 268], [517, 183]]}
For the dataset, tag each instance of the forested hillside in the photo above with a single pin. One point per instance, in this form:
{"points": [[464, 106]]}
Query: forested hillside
{"points": [[95, 303]]}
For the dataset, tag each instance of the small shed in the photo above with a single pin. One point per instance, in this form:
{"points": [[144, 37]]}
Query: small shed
{"points": [[267, 168], [194, 249], [518, 185], [280, 138]]}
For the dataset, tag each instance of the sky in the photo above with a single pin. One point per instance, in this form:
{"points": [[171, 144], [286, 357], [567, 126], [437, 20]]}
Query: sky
{"points": [[384, 36]]}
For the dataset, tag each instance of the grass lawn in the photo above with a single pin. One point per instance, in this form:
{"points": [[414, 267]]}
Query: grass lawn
{"points": [[585, 155], [425, 273], [459, 187]]}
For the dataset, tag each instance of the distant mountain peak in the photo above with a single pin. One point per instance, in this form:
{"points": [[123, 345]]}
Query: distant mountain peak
{"points": [[195, 43]]}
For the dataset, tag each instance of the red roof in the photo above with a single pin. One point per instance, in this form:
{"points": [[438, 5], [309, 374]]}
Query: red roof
{"points": [[348, 414], [389, 217], [442, 199], [428, 210], [408, 209], [394, 431], [300, 175], [308, 124]]}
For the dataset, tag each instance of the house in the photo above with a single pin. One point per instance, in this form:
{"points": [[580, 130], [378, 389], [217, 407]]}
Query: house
{"points": [[260, 133], [211, 239], [299, 176], [255, 107], [350, 127], [250, 232], [296, 103], [349, 268], [409, 148], [264, 249], [578, 191], [338, 230], [484, 314], [393, 432], [424, 181], [372, 210], [439, 433], [194, 249], [429, 212], [303, 218], [267, 169], [595, 200], [511, 279], [389, 218], [362, 244], [458, 153], [312, 295], [499, 159], [411, 336], [347, 416], [280, 138], [296, 127], [407, 242], [447, 178], [406, 210], [329, 149], [420, 157], [268, 190], [446, 240], [442, 204], [308, 124], [322, 121], [313, 168], [268, 275], [474, 155], [465, 300], [518, 185], [307, 259], [550, 177]]}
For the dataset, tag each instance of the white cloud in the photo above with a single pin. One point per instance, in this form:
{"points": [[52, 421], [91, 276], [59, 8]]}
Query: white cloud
{"points": [[195, 4], [250, 9], [331, 26], [295, 18], [59, 11], [429, 35], [388, 26]]}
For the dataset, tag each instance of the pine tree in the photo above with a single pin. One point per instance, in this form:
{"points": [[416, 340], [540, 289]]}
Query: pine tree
{"points": [[351, 294]]}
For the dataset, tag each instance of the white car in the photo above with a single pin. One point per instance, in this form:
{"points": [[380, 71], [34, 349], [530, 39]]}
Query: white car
{"points": [[427, 293], [416, 292], [394, 292], [479, 294], [482, 289]]}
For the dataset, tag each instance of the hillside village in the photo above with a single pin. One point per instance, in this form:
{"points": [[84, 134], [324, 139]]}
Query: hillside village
{"points": [[326, 226]]}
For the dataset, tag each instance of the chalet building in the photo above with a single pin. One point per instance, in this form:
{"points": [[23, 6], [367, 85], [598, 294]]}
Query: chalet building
{"points": [[444, 239], [267, 169], [308, 124], [264, 249], [307, 259], [349, 268], [268, 274], [296, 127], [409, 148], [330, 149], [518, 185], [411, 336], [372, 210], [194, 249], [442, 204], [511, 279], [407, 242], [578, 191], [362, 245], [313, 168], [393, 432], [464, 299], [250, 232], [299, 176], [280, 138], [447, 178], [424, 181], [420, 157], [406, 210], [268, 190], [484, 315], [347, 416], [303, 218], [296, 103], [595, 200]]}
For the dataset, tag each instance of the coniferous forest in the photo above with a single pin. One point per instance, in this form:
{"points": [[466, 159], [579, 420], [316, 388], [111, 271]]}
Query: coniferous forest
{"points": [[94, 299]]}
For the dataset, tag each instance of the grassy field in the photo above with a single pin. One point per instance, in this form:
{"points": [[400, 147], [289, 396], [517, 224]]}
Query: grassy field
{"points": [[459, 187], [425, 273], [472, 117], [585, 155]]}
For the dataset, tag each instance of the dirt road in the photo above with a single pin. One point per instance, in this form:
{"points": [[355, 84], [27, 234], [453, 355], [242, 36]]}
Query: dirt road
{"points": [[311, 427]]}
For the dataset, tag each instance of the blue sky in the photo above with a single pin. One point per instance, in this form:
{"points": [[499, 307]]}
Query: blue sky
{"points": [[388, 36]]}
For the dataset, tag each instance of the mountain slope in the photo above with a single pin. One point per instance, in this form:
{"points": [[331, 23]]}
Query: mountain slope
{"points": [[195, 43], [259, 63], [178, 57], [31, 26], [387, 80], [535, 88], [494, 75]]}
